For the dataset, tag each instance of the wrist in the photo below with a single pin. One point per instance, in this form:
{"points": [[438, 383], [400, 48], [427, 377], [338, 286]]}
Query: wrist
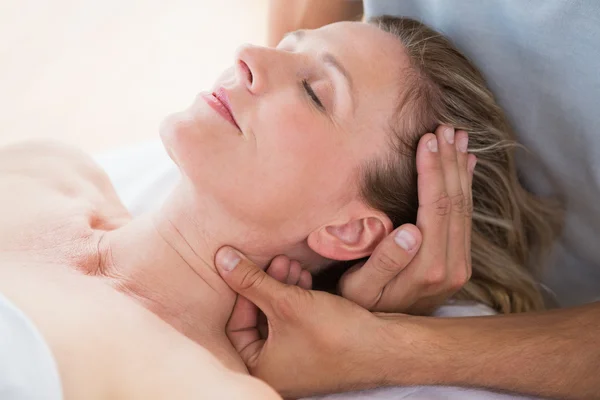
{"points": [[415, 351]]}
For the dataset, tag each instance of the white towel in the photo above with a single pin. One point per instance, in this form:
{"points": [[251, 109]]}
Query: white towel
{"points": [[27, 368]]}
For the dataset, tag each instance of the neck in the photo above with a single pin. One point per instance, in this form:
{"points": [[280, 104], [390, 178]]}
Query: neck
{"points": [[166, 263], [166, 260]]}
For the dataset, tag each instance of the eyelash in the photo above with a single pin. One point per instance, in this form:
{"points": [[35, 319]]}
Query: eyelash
{"points": [[312, 94]]}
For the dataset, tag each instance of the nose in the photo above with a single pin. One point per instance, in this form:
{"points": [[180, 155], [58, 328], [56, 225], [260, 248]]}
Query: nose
{"points": [[252, 66]]}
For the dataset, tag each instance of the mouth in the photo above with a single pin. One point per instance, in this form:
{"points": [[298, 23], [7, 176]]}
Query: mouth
{"points": [[219, 101]]}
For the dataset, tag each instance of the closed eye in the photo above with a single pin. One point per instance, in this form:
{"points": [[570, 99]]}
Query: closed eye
{"points": [[312, 94]]}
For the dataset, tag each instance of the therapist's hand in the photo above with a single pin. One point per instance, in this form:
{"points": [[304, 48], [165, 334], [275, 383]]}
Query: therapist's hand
{"points": [[317, 342], [417, 268]]}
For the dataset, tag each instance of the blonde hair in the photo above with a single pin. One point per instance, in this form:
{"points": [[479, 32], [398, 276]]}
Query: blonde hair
{"points": [[512, 228]]}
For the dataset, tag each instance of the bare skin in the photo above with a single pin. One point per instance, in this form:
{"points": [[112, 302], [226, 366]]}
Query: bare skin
{"points": [[55, 208]]}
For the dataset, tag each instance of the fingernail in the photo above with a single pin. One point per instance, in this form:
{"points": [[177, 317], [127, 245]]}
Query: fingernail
{"points": [[432, 145], [449, 135], [405, 239], [463, 144], [227, 259]]}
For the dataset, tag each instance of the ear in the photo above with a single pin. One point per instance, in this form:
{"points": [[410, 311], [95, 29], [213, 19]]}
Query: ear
{"points": [[352, 240]]}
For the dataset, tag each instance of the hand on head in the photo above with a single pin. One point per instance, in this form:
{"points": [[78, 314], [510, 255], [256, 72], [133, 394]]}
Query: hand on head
{"points": [[414, 270], [417, 268]]}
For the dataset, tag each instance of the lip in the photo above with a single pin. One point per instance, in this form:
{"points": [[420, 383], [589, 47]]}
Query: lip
{"points": [[219, 101]]}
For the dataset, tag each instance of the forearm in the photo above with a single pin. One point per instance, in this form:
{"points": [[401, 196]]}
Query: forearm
{"points": [[554, 354], [290, 15]]}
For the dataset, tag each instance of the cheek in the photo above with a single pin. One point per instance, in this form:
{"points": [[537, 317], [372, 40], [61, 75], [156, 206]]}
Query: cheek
{"points": [[303, 162], [301, 138], [295, 145]]}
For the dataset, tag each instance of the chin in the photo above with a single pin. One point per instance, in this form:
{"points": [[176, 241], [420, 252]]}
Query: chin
{"points": [[175, 130], [167, 136]]}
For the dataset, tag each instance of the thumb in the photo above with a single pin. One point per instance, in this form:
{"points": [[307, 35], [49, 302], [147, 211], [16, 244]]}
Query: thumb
{"points": [[365, 284], [247, 279]]}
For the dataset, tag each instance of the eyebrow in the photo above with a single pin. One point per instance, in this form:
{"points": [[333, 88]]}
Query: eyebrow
{"points": [[328, 59]]}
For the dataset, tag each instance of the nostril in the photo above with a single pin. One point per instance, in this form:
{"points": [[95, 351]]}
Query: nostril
{"points": [[247, 71]]}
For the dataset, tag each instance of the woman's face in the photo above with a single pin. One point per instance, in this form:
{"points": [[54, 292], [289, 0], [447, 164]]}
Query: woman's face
{"points": [[307, 115]]}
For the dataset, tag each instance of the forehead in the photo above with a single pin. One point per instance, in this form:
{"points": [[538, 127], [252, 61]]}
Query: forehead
{"points": [[377, 62]]}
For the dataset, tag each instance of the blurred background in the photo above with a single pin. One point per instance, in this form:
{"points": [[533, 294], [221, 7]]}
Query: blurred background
{"points": [[101, 74]]}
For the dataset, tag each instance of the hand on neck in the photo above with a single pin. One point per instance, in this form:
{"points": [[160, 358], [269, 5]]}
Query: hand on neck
{"points": [[166, 261]]}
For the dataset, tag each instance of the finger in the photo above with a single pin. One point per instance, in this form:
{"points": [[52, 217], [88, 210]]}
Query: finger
{"points": [[242, 328], [462, 144], [247, 279], [365, 285], [279, 268], [456, 227], [432, 217], [447, 142], [243, 315], [471, 162], [305, 280], [294, 275]]}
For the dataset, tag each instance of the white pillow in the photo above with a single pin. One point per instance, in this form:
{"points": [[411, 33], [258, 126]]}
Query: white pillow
{"points": [[143, 175]]}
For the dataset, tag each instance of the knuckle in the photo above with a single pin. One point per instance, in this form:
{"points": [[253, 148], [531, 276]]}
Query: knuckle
{"points": [[284, 308], [367, 302], [449, 157], [287, 305], [386, 264], [252, 278], [459, 279], [358, 291], [357, 294], [468, 208], [458, 203], [443, 204], [435, 276], [350, 289]]}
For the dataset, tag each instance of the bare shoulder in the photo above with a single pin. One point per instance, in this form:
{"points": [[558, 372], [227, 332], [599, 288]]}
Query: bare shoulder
{"points": [[39, 153], [58, 173], [52, 162], [107, 346]]}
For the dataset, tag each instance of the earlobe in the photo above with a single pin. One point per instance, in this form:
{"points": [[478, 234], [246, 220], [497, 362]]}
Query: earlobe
{"points": [[350, 241]]}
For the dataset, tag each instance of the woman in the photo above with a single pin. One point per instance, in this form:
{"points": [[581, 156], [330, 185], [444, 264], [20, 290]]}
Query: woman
{"points": [[306, 143]]}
